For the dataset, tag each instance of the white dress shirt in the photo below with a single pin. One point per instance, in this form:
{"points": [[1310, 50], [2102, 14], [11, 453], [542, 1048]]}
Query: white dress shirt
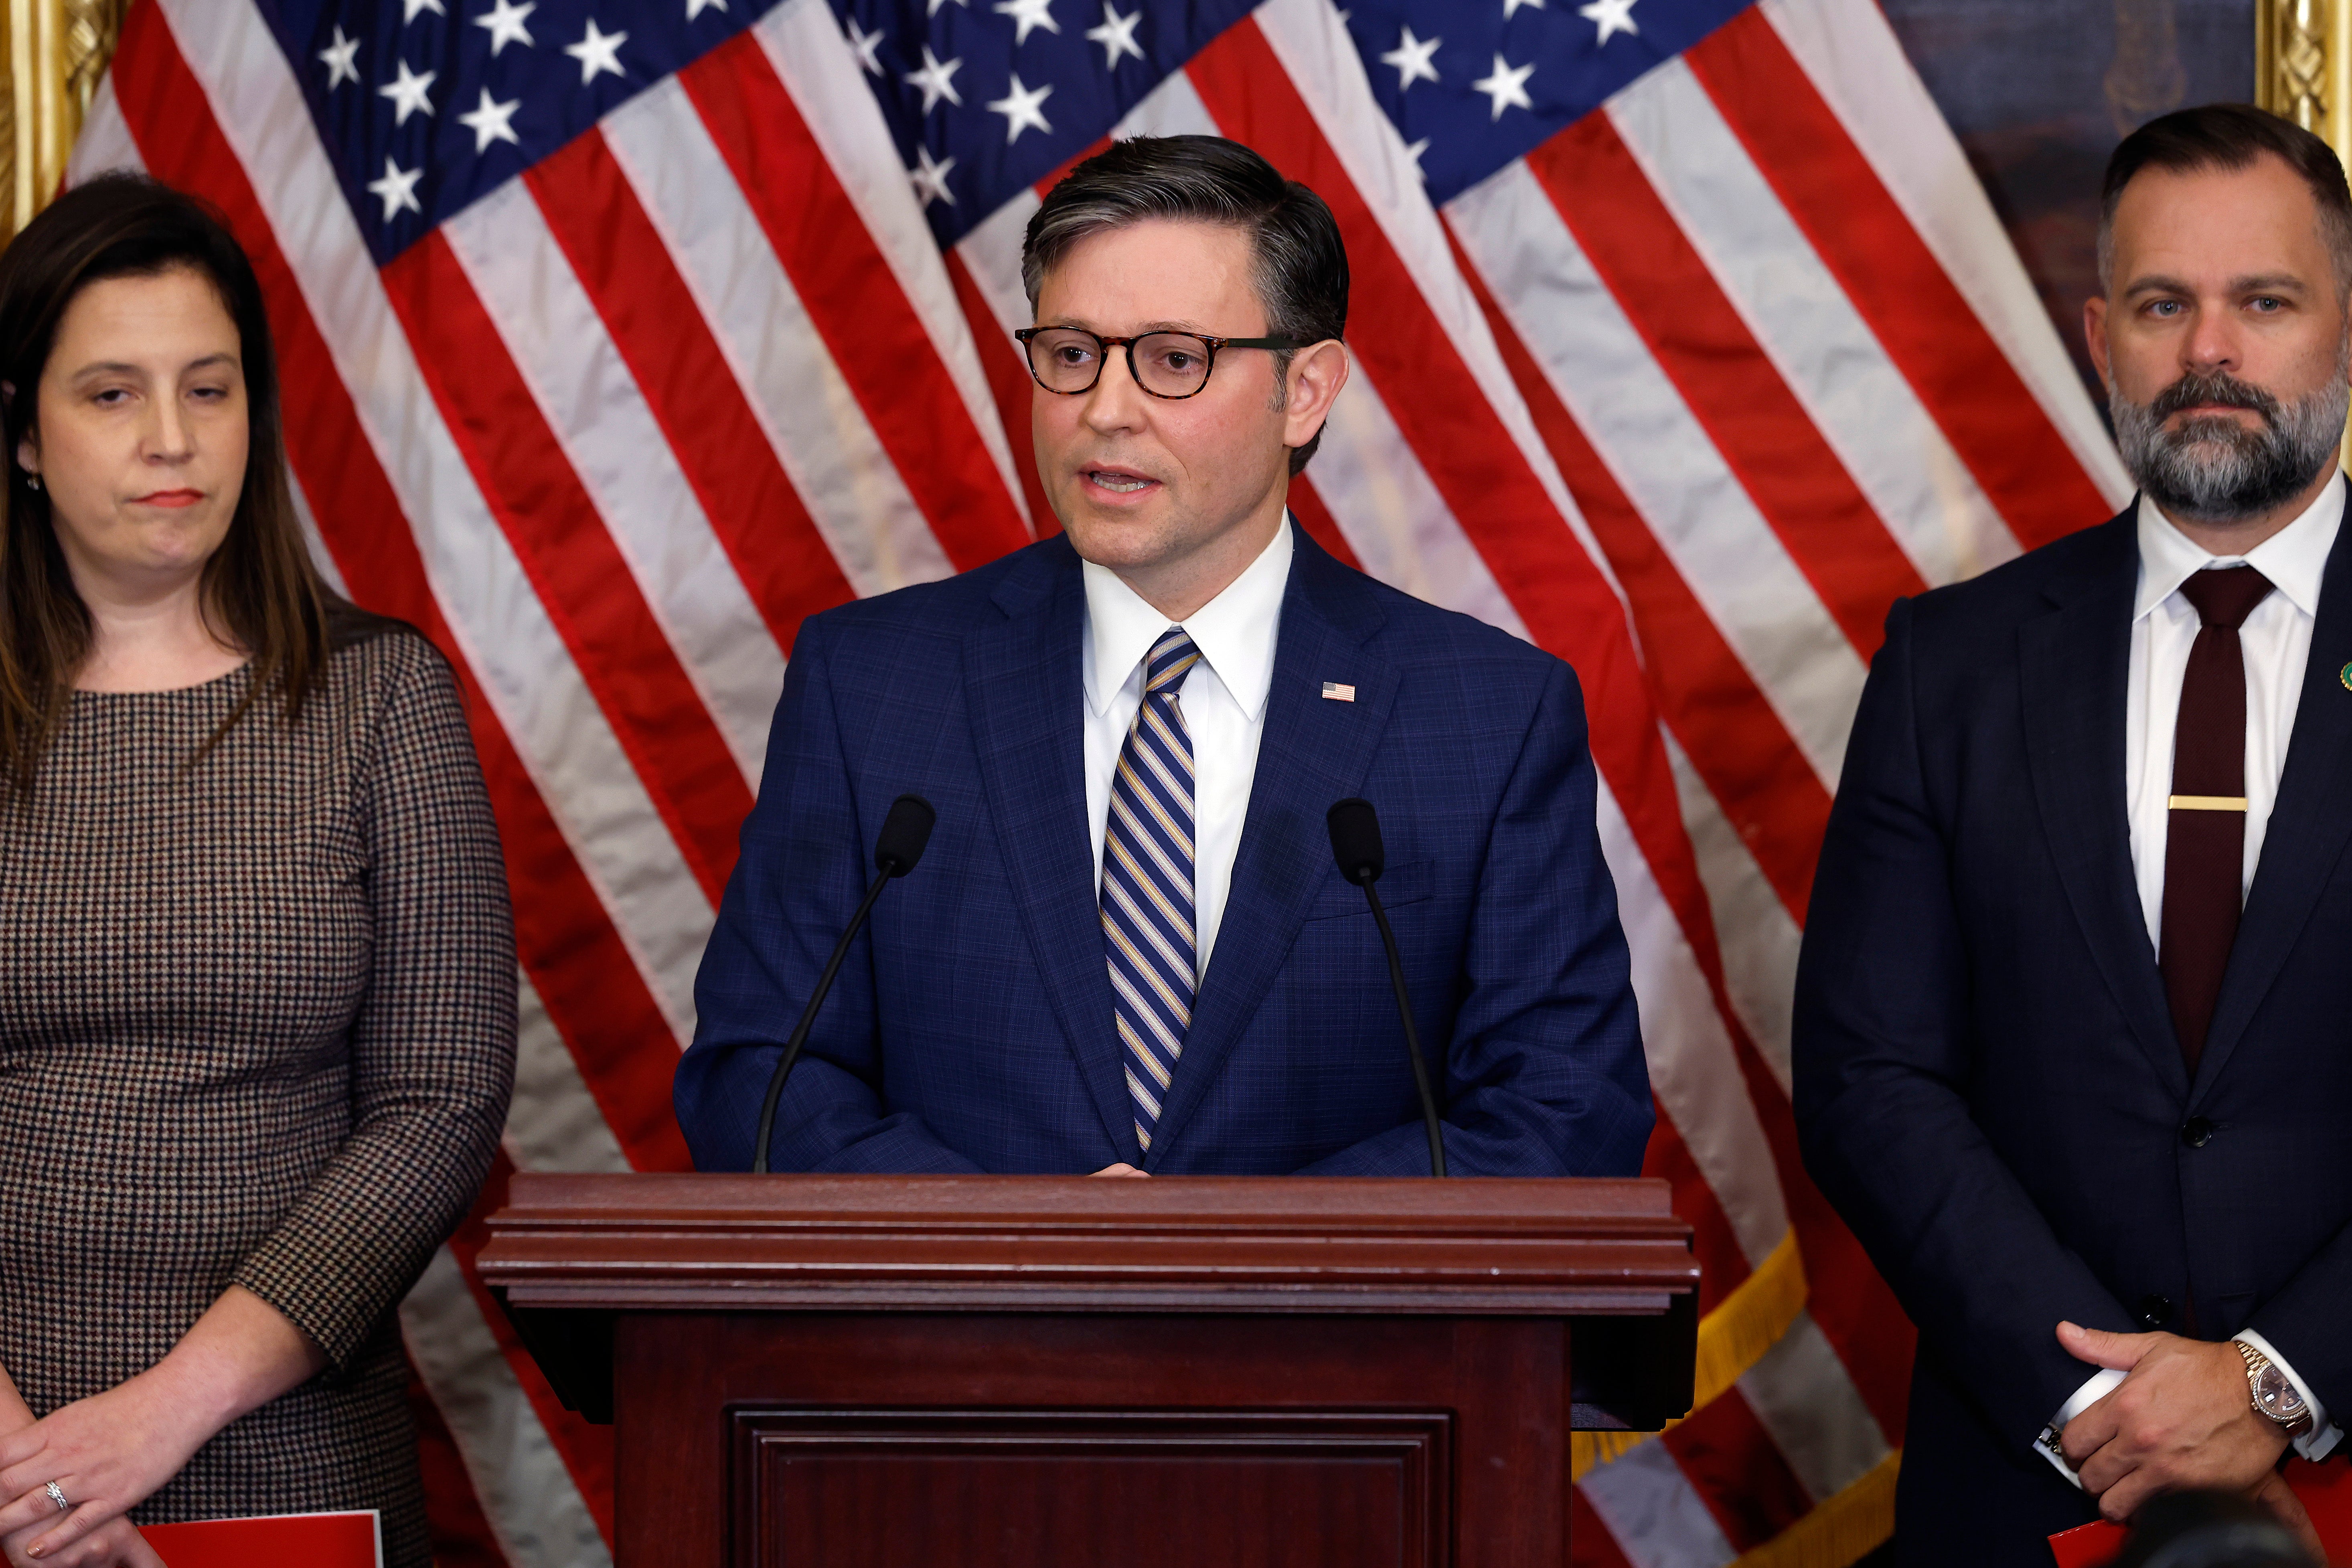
{"points": [[2276, 639], [1222, 700], [2277, 642]]}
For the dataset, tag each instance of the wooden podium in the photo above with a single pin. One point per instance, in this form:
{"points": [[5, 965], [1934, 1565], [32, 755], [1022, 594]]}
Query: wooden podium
{"points": [[1015, 1372]]}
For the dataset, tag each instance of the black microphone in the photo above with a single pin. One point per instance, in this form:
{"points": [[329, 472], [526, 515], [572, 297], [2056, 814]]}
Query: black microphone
{"points": [[1356, 845], [905, 831]]}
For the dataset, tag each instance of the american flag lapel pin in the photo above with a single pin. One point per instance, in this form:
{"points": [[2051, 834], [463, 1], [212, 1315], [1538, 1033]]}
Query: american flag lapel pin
{"points": [[1335, 692]]}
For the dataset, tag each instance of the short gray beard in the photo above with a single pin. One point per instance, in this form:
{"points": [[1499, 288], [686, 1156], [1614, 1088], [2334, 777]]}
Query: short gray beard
{"points": [[2214, 471]]}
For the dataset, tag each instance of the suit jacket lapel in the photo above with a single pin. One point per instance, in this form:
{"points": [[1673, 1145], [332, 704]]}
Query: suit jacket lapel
{"points": [[2074, 670], [1022, 677], [1312, 752], [2308, 824]]}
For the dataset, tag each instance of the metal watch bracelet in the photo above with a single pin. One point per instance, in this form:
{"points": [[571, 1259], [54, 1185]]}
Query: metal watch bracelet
{"points": [[2296, 1420]]}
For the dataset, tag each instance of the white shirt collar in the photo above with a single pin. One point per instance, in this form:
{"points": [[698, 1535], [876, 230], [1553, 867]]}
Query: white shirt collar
{"points": [[1235, 631], [2294, 559]]}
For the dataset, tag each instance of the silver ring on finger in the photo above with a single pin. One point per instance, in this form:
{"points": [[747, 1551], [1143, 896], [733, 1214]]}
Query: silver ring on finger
{"points": [[57, 1496]]}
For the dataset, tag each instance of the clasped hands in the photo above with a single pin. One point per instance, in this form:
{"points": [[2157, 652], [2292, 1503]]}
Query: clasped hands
{"points": [[107, 1453], [2181, 1418]]}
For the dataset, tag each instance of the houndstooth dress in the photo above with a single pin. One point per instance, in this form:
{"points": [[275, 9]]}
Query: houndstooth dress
{"points": [[256, 1027]]}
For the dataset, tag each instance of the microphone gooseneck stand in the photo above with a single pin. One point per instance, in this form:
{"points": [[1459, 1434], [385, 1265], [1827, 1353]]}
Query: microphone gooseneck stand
{"points": [[905, 831], [1356, 845]]}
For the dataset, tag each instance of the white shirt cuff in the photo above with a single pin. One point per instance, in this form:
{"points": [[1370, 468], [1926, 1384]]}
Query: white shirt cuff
{"points": [[2317, 1443], [2096, 1387]]}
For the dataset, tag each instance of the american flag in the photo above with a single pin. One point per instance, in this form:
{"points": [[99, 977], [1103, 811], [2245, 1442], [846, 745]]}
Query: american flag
{"points": [[619, 335]]}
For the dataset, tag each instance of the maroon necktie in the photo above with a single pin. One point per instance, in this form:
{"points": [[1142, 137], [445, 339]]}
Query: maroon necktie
{"points": [[2205, 843]]}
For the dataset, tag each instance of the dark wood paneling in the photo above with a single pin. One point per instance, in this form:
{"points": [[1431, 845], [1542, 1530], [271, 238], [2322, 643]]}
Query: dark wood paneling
{"points": [[1167, 1489], [1488, 1398]]}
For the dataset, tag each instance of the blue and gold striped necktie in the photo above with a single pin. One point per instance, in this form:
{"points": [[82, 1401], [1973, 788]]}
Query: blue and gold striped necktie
{"points": [[1147, 884]]}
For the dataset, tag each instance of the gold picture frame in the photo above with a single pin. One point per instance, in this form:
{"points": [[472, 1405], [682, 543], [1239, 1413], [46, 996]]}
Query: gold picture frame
{"points": [[2302, 65], [53, 53], [2303, 72]]}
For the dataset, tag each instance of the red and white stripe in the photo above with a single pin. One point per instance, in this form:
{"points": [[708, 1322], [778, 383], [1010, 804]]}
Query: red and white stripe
{"points": [[1686, 395]]}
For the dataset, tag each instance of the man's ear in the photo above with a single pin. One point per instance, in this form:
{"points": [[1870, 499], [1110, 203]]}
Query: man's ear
{"points": [[2095, 335], [1316, 374]]}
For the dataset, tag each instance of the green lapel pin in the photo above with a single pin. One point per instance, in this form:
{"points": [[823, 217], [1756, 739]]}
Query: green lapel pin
{"points": [[2345, 675]]}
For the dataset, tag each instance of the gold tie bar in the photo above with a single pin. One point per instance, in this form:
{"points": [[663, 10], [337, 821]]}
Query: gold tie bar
{"points": [[2205, 802]]}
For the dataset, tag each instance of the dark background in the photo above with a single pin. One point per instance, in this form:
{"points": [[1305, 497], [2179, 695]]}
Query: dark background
{"points": [[2039, 91]]}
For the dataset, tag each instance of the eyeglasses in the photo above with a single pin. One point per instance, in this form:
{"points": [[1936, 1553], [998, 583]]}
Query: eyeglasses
{"points": [[1069, 360]]}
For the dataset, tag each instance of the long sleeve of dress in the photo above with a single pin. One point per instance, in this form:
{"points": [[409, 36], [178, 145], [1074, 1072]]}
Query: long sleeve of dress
{"points": [[432, 1048]]}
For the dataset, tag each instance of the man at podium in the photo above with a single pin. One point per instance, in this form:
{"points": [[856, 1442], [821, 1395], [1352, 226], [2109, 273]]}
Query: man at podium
{"points": [[1127, 948]]}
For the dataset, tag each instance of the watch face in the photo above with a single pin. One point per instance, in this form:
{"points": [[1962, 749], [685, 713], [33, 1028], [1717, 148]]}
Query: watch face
{"points": [[2277, 1397]]}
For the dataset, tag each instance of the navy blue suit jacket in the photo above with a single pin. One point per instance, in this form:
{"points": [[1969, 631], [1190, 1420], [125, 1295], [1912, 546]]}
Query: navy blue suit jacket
{"points": [[1986, 1079], [971, 1027]]}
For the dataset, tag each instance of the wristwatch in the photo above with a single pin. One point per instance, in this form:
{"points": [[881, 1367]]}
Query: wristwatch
{"points": [[2273, 1392]]}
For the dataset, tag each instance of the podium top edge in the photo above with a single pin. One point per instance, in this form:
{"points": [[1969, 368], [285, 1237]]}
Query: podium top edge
{"points": [[1622, 1206]]}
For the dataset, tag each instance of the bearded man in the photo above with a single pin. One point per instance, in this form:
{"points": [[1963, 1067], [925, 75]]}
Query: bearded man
{"points": [[2074, 1029]]}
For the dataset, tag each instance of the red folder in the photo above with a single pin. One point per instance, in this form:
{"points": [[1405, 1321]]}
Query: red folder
{"points": [[288, 1541], [2325, 1491], [2092, 1545]]}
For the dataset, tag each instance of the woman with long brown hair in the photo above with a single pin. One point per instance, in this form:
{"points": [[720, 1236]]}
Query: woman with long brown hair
{"points": [[257, 973]]}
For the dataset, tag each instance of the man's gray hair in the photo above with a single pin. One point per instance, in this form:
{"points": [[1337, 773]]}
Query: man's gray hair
{"points": [[1300, 266]]}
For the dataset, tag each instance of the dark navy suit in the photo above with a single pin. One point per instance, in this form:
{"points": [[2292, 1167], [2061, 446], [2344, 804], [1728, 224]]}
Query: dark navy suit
{"points": [[1987, 1081], [971, 1029]]}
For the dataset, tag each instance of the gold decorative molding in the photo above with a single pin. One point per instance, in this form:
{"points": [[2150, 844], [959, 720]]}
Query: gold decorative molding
{"points": [[2303, 71], [2302, 65], [53, 53]]}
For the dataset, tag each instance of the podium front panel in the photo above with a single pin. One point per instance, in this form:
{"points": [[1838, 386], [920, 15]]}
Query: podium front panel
{"points": [[1015, 1489], [1013, 1441]]}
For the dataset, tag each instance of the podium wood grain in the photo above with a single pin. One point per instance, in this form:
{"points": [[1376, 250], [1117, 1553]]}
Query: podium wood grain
{"points": [[1037, 1371]]}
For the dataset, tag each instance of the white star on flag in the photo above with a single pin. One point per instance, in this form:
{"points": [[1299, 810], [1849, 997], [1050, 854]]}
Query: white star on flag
{"points": [[411, 9], [1411, 57], [407, 93], [597, 52], [491, 121], [398, 189], [697, 7], [1506, 86], [1117, 35], [933, 79], [1413, 149], [932, 8], [931, 177], [342, 59], [505, 21], [1511, 7], [1612, 17], [867, 45], [1020, 107], [1028, 16]]}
